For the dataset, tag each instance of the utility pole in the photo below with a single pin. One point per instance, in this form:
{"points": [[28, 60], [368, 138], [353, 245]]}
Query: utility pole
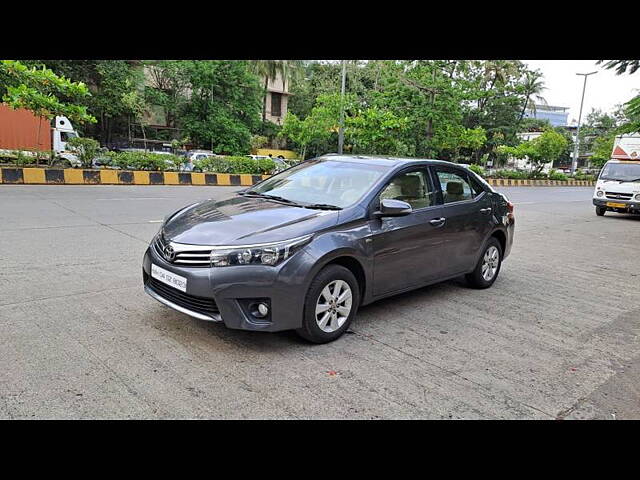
{"points": [[341, 131], [574, 163]]}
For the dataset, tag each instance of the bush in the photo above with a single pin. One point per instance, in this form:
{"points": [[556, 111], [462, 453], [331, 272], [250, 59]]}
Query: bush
{"points": [[511, 174], [236, 165], [22, 159], [145, 161], [85, 148], [555, 175], [583, 176]]}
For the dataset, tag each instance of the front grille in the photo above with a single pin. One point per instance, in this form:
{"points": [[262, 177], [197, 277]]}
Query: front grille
{"points": [[619, 195], [206, 306], [192, 258]]}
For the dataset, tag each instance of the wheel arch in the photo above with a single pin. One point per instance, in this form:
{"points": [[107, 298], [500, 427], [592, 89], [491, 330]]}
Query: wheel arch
{"points": [[501, 237]]}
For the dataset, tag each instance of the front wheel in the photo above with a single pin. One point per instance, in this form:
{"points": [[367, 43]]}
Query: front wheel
{"points": [[488, 266], [330, 305], [600, 211]]}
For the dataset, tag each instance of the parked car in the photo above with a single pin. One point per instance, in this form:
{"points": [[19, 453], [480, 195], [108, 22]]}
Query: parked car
{"points": [[305, 248]]}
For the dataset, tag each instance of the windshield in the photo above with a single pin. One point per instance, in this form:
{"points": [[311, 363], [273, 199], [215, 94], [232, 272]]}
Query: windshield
{"points": [[625, 172], [323, 182]]}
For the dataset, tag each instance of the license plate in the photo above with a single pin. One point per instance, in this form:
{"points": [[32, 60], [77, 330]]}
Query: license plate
{"points": [[616, 205], [169, 278]]}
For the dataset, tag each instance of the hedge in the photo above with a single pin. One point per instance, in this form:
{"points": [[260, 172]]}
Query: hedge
{"points": [[236, 165]]}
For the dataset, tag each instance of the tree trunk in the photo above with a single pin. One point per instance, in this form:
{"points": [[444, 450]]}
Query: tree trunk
{"points": [[264, 102], [524, 109]]}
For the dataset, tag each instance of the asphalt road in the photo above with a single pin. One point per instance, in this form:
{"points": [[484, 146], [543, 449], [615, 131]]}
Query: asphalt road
{"points": [[556, 337]]}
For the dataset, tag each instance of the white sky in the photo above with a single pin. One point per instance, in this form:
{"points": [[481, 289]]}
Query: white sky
{"points": [[604, 90]]}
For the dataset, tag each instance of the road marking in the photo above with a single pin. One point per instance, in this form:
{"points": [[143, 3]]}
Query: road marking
{"points": [[134, 198], [155, 221]]}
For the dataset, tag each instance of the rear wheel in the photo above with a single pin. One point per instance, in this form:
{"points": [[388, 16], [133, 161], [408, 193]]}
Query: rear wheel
{"points": [[330, 305], [488, 266], [600, 211]]}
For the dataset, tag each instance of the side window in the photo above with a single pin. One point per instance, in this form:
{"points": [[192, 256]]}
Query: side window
{"points": [[411, 187], [476, 186], [455, 186]]}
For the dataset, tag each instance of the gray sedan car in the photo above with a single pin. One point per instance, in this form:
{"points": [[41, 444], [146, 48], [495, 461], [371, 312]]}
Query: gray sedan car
{"points": [[305, 248]]}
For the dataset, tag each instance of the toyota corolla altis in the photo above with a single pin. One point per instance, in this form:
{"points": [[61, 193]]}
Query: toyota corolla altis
{"points": [[305, 248]]}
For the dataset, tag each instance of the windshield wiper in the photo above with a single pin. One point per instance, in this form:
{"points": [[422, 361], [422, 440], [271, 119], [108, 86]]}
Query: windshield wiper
{"points": [[253, 193], [322, 206]]}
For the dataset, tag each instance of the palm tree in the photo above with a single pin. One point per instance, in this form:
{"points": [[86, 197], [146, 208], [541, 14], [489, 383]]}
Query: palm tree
{"points": [[269, 70], [533, 88], [621, 66]]}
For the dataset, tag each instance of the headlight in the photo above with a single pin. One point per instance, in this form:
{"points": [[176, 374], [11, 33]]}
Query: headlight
{"points": [[637, 197], [600, 193], [262, 254]]}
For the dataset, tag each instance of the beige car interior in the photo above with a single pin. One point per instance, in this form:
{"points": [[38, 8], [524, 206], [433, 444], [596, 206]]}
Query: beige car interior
{"points": [[410, 188]]}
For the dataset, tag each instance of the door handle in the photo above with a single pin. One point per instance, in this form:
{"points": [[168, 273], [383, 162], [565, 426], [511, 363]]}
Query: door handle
{"points": [[436, 222], [485, 210]]}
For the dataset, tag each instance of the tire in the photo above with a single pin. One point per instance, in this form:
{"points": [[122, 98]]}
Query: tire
{"points": [[600, 211], [325, 284], [479, 278]]}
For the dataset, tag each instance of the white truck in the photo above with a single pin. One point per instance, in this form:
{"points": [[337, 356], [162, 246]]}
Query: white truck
{"points": [[22, 130], [618, 185]]}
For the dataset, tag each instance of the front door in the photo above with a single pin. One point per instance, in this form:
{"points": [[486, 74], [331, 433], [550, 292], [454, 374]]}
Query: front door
{"points": [[407, 249]]}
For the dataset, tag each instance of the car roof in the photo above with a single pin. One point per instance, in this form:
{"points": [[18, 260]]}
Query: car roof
{"points": [[385, 160]]}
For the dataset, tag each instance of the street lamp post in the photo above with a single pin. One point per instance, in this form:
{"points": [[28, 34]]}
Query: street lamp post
{"points": [[341, 130], [574, 163]]}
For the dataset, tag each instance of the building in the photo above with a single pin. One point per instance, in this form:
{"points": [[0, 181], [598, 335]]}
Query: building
{"points": [[557, 116], [277, 100]]}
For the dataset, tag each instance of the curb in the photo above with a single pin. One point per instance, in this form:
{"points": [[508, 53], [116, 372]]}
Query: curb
{"points": [[73, 176], [504, 182]]}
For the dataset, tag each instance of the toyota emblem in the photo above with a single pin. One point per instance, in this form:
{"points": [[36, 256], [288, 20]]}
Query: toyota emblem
{"points": [[169, 253]]}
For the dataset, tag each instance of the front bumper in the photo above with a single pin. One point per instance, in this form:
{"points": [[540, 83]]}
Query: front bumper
{"points": [[629, 205], [284, 286]]}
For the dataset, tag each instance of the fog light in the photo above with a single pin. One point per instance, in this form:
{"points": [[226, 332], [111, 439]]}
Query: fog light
{"points": [[600, 193], [259, 310]]}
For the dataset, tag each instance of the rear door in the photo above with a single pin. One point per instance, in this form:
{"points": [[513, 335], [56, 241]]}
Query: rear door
{"points": [[467, 210]]}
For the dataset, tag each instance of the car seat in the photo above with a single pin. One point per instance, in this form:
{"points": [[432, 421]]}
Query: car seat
{"points": [[454, 192]]}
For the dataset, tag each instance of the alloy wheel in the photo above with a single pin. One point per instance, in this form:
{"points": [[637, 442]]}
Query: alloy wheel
{"points": [[333, 306], [490, 263]]}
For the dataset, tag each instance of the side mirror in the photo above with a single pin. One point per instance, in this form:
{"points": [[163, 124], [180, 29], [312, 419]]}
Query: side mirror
{"points": [[393, 208]]}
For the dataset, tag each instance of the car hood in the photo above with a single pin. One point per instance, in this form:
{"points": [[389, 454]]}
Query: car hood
{"points": [[616, 186], [242, 220]]}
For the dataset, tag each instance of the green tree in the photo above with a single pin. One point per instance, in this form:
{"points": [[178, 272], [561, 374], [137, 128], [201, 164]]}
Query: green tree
{"points": [[533, 87], [376, 131], [319, 126], [110, 82], [632, 107], [602, 149], [43, 92], [223, 106]]}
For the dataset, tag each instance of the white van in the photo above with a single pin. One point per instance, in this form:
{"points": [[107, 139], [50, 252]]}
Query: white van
{"points": [[618, 185]]}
